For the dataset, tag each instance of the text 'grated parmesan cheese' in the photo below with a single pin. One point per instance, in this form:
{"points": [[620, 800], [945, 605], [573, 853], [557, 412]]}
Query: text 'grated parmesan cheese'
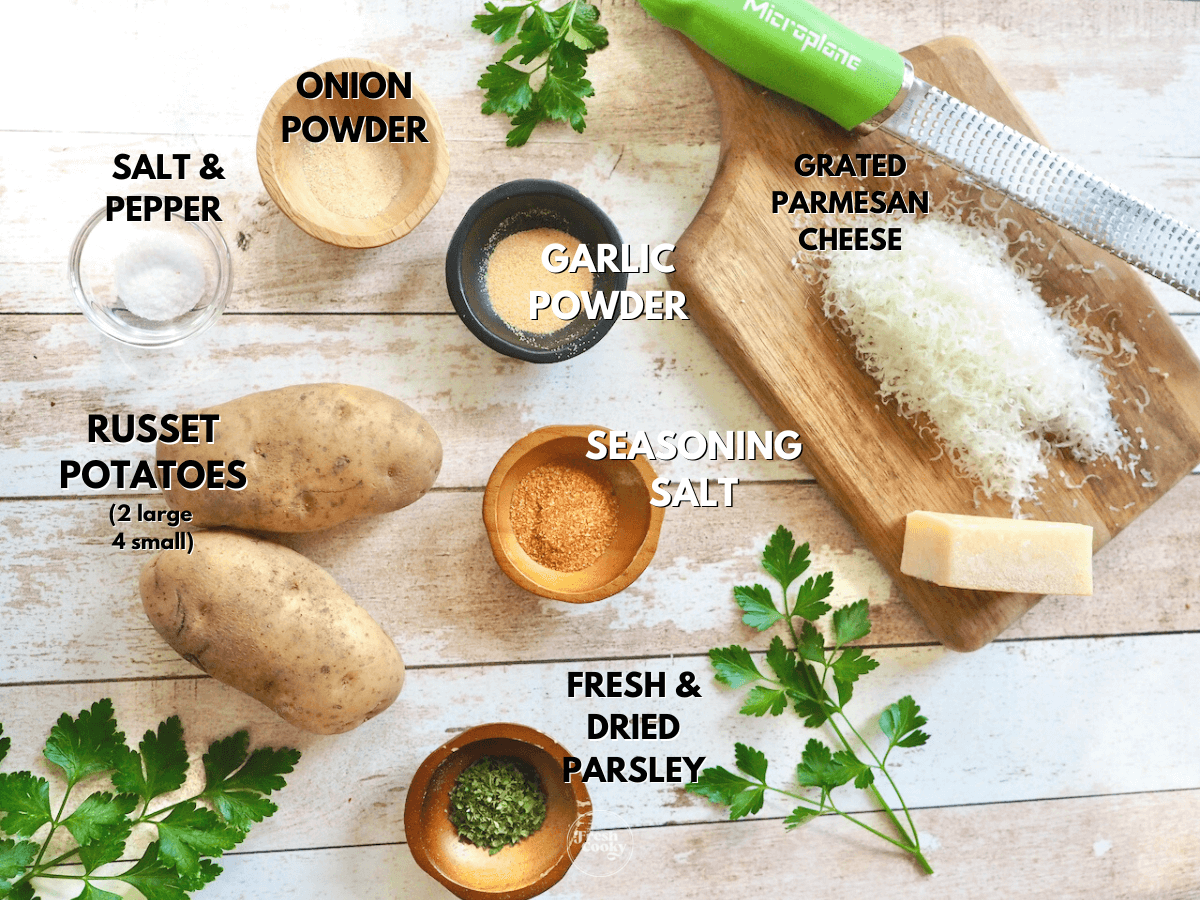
{"points": [[952, 332]]}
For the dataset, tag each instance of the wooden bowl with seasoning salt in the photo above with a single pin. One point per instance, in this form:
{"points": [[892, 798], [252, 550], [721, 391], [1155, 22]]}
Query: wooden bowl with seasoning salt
{"points": [[515, 872], [354, 192], [567, 527], [495, 260]]}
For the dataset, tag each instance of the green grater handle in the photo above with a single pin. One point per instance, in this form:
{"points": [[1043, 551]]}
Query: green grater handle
{"points": [[795, 49]]}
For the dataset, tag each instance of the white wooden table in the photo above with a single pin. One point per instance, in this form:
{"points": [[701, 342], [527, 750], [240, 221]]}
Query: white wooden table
{"points": [[1063, 761]]}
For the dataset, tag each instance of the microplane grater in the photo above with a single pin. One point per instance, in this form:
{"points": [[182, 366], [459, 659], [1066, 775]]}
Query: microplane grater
{"points": [[793, 48], [1006, 161]]}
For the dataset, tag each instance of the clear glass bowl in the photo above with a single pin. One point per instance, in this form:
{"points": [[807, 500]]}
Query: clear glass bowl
{"points": [[150, 284]]}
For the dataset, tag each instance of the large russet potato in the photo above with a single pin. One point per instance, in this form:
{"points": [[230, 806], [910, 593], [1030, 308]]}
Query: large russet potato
{"points": [[265, 620], [315, 455]]}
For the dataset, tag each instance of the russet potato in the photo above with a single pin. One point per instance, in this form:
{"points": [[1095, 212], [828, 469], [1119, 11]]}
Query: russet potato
{"points": [[315, 455], [265, 620]]}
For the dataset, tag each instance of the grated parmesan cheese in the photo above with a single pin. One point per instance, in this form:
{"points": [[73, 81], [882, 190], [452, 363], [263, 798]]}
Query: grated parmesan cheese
{"points": [[954, 334]]}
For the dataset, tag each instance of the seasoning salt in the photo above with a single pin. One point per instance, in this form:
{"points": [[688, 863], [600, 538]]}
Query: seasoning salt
{"points": [[564, 516]]}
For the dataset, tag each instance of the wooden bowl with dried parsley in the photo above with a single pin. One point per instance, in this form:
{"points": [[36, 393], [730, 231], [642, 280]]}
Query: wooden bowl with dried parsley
{"points": [[567, 527], [498, 781], [354, 192]]}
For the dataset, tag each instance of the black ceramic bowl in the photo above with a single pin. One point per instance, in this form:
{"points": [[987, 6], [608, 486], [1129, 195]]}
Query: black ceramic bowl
{"points": [[508, 209]]}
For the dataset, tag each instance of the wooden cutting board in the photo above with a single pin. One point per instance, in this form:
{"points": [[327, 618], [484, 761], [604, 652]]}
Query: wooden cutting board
{"points": [[733, 263]]}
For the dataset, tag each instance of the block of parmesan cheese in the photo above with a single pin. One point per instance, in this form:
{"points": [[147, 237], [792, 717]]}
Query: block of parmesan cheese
{"points": [[991, 554]]}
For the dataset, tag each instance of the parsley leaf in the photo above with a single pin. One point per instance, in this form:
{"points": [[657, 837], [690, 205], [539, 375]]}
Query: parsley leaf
{"points": [[209, 870], [863, 774], [747, 803], [819, 768], [5, 743], [156, 880], [799, 816], [851, 622], [809, 698], [191, 831], [227, 766], [586, 32], [810, 599], [762, 700], [224, 757], [26, 801], [720, 785], [742, 796], [852, 664], [561, 98], [107, 848], [159, 767], [508, 89], [751, 761], [501, 22], [734, 666], [759, 607], [783, 663], [565, 37], [14, 857], [87, 745], [811, 645], [779, 560], [900, 722], [240, 796], [96, 815]]}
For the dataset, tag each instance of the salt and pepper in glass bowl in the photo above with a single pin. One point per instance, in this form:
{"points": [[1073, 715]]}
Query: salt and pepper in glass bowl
{"points": [[150, 283]]}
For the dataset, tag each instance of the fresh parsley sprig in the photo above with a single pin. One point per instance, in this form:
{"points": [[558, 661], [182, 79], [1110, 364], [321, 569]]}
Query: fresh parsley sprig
{"points": [[562, 39], [190, 832], [803, 677]]}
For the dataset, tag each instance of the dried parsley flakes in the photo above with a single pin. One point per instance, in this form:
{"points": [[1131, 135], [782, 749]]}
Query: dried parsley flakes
{"points": [[496, 802]]}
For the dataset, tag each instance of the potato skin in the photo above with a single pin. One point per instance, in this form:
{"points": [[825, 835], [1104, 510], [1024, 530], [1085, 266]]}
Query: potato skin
{"points": [[265, 620], [316, 455]]}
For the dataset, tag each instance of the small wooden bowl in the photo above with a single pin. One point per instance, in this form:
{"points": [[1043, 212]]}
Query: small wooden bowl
{"points": [[334, 198], [523, 870], [638, 523]]}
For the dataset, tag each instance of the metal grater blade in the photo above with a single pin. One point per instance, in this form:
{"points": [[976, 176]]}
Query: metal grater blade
{"points": [[1005, 160]]}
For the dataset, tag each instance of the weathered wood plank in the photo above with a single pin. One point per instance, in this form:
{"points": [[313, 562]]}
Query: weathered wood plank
{"points": [[1141, 845], [428, 577], [1135, 45], [1013, 722], [651, 376], [648, 376], [650, 192], [1144, 74]]}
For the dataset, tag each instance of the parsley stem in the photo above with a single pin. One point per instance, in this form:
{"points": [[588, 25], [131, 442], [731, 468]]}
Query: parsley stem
{"points": [[872, 789], [60, 859], [53, 826], [883, 768], [907, 848], [886, 807], [570, 17], [913, 844], [147, 818], [820, 807]]}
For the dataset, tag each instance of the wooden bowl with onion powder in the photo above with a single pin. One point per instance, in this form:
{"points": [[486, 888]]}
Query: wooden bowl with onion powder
{"points": [[353, 193], [495, 260], [566, 527]]}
